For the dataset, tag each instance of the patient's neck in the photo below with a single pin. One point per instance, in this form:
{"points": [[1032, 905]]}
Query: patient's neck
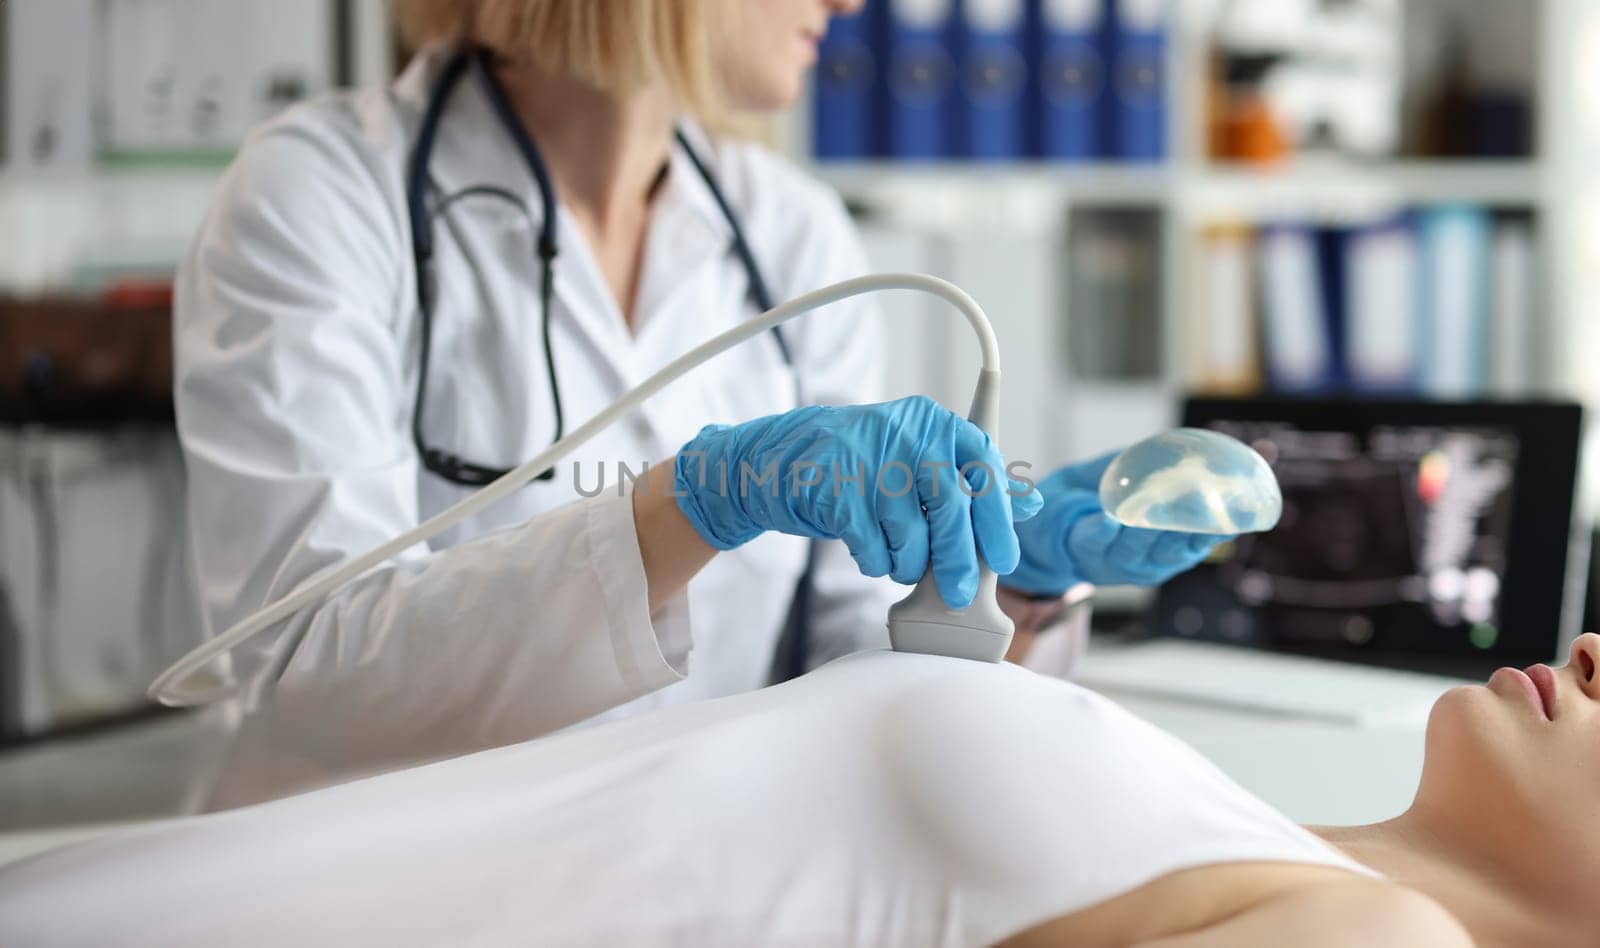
{"points": [[1421, 854]]}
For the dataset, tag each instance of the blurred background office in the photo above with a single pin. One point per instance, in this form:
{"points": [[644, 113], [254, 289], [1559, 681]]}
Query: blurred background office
{"points": [[1267, 201]]}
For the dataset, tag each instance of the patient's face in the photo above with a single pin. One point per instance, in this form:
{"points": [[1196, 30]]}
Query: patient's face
{"points": [[1513, 767]]}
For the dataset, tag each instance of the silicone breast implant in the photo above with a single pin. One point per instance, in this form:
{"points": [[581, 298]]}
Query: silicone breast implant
{"points": [[1192, 481]]}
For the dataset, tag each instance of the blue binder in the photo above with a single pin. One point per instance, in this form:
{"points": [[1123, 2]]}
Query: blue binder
{"points": [[844, 119], [1381, 312], [993, 81], [1071, 78], [1454, 294], [1330, 249], [921, 79], [1139, 99], [1301, 350]]}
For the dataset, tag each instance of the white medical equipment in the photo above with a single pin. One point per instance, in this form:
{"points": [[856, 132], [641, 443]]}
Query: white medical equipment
{"points": [[1193, 481], [919, 623]]}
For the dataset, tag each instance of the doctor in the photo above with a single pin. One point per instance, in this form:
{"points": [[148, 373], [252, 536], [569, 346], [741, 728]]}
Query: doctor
{"points": [[399, 293]]}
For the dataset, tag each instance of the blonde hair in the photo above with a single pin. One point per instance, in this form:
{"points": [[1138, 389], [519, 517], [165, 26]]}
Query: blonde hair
{"points": [[616, 45]]}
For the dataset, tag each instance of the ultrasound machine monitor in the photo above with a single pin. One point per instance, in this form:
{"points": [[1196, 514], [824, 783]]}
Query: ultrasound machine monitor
{"points": [[1423, 535]]}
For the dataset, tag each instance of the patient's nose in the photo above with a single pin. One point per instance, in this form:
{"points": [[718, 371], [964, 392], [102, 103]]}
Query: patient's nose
{"points": [[1586, 663]]}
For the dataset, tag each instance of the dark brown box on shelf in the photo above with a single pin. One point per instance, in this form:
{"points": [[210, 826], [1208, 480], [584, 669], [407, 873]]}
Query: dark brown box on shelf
{"points": [[85, 362]]}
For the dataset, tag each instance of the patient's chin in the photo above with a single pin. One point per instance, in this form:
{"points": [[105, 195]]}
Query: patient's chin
{"points": [[1461, 713], [1467, 739]]}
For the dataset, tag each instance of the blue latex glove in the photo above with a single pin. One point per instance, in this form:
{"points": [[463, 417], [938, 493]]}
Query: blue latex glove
{"points": [[1072, 540], [907, 507]]}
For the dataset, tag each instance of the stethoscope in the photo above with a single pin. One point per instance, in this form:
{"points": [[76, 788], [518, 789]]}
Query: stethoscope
{"points": [[445, 464]]}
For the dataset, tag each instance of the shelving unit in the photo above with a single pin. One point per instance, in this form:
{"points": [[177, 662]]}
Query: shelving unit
{"points": [[1019, 205], [951, 207], [93, 500], [144, 212]]}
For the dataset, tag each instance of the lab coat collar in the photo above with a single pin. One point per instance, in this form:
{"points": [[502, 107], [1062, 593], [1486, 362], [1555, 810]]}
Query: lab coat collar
{"points": [[692, 188], [462, 160], [688, 234]]}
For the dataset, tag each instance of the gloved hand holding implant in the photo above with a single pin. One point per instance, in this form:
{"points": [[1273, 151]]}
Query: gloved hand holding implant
{"points": [[1145, 514], [904, 484]]}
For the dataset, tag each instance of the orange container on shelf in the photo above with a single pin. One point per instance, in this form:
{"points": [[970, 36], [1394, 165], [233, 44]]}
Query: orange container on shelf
{"points": [[1253, 134], [1242, 127]]}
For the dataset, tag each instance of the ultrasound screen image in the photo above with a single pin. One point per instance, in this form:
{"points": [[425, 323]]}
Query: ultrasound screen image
{"points": [[1392, 539]]}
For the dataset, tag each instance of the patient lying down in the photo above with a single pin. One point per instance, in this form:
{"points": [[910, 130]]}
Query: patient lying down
{"points": [[885, 799]]}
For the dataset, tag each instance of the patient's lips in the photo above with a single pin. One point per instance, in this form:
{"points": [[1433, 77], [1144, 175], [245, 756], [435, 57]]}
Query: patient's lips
{"points": [[1522, 681], [1545, 681]]}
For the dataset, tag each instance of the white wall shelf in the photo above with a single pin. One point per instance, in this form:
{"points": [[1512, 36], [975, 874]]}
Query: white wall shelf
{"points": [[76, 221], [1511, 182], [1032, 196], [1116, 181], [1253, 189]]}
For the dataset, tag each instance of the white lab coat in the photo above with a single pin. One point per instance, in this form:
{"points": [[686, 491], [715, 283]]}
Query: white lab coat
{"points": [[296, 346]]}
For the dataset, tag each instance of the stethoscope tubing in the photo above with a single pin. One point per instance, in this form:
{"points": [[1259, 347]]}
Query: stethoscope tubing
{"points": [[443, 463]]}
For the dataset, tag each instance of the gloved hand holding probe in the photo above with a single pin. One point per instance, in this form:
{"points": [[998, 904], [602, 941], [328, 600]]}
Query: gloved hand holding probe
{"points": [[902, 483]]}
